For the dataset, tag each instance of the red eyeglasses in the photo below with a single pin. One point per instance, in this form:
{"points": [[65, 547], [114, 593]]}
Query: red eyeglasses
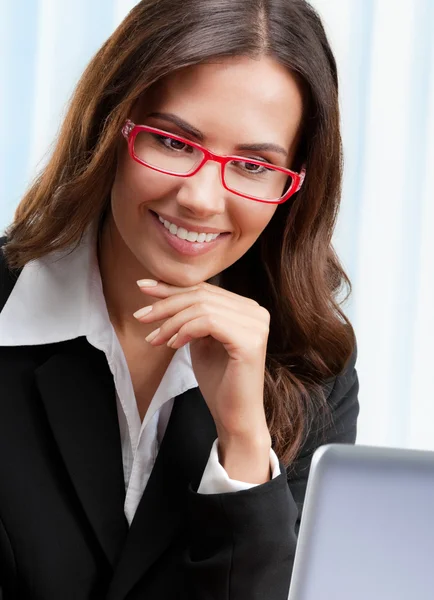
{"points": [[174, 155]]}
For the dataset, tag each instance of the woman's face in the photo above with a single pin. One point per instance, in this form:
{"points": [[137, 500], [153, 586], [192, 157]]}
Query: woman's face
{"points": [[237, 101]]}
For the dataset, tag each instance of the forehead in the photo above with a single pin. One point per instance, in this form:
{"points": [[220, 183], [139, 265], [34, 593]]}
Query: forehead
{"points": [[236, 98]]}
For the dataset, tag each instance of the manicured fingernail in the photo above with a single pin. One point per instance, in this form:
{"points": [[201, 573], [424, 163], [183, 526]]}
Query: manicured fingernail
{"points": [[172, 339], [147, 283], [152, 335], [142, 312]]}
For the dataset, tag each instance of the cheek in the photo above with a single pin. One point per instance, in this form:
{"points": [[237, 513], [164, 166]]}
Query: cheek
{"points": [[254, 219], [135, 185]]}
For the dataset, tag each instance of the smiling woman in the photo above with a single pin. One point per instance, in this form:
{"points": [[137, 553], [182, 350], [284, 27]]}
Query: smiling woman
{"points": [[172, 351]]}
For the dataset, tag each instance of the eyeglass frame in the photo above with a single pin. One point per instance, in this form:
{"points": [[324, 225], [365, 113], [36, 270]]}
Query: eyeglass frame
{"points": [[130, 130]]}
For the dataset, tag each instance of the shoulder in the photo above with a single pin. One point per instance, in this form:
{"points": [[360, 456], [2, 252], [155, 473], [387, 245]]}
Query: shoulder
{"points": [[8, 277], [3, 264], [343, 394], [3, 241], [339, 424], [16, 362]]}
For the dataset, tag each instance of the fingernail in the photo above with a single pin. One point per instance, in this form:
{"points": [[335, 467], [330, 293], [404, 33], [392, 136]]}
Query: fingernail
{"points": [[172, 339], [142, 312], [152, 335], [147, 283]]}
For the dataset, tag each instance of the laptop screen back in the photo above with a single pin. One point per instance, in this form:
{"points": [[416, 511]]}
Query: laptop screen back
{"points": [[367, 530]]}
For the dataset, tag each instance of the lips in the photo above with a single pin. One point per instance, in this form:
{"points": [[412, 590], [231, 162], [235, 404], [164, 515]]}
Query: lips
{"points": [[185, 247], [189, 227]]}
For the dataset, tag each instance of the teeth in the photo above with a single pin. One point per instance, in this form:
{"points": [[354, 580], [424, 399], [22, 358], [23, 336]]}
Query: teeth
{"points": [[190, 236]]}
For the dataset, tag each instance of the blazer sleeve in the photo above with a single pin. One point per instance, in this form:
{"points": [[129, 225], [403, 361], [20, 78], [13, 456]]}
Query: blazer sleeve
{"points": [[242, 544], [215, 479], [7, 566]]}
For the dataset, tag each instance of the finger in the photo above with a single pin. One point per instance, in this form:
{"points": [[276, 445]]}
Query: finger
{"points": [[240, 342], [172, 326], [169, 306], [162, 290]]}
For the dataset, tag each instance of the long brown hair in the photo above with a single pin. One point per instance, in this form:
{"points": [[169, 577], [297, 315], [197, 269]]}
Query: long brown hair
{"points": [[292, 269]]}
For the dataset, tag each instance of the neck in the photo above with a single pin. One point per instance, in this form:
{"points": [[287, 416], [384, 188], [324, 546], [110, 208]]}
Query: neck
{"points": [[120, 270]]}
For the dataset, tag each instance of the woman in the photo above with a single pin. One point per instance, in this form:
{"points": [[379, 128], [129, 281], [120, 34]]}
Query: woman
{"points": [[172, 350]]}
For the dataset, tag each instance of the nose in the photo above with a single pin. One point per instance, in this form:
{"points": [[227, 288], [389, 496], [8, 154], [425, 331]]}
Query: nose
{"points": [[203, 193]]}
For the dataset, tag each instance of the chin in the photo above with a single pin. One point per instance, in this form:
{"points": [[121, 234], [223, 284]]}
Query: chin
{"points": [[181, 277], [185, 282]]}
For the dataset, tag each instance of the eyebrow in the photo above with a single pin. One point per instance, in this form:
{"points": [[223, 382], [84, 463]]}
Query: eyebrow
{"points": [[263, 147]]}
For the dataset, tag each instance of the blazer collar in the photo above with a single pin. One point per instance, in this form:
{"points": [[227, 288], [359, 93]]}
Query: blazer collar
{"points": [[77, 390], [78, 393]]}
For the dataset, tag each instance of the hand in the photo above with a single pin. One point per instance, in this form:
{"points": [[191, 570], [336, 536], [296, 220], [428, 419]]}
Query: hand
{"points": [[228, 337]]}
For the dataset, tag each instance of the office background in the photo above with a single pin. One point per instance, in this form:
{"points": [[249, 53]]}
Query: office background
{"points": [[385, 233]]}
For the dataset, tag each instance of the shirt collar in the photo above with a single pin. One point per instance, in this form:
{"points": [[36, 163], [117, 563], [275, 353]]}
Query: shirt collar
{"points": [[50, 299], [59, 297]]}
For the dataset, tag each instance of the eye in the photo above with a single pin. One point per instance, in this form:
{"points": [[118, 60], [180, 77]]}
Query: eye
{"points": [[251, 168], [171, 143], [255, 168]]}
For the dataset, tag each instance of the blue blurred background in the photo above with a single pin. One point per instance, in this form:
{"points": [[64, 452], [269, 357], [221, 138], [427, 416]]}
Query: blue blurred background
{"points": [[385, 234]]}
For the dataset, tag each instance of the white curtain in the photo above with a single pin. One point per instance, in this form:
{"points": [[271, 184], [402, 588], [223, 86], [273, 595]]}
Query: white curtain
{"points": [[385, 234], [385, 53]]}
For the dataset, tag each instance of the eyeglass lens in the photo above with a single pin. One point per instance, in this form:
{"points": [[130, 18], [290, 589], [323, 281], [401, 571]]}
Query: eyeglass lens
{"points": [[170, 154]]}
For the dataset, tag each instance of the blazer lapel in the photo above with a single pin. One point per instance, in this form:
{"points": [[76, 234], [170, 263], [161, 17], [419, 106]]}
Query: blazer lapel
{"points": [[78, 393], [181, 461]]}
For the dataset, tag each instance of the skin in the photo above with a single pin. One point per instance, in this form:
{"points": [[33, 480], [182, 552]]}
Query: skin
{"points": [[238, 100]]}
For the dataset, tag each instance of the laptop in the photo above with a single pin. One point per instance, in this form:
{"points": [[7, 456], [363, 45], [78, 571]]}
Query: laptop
{"points": [[367, 529]]}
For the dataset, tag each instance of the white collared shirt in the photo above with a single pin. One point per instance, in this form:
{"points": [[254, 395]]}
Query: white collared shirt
{"points": [[60, 297]]}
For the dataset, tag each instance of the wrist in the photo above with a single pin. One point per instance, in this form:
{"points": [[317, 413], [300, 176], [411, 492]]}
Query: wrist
{"points": [[253, 433], [252, 442], [246, 458]]}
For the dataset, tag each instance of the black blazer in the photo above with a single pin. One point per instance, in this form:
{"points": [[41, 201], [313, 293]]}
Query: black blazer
{"points": [[63, 532]]}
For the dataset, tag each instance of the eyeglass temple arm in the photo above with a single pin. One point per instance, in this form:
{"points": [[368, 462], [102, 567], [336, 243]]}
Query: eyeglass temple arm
{"points": [[127, 128], [302, 177]]}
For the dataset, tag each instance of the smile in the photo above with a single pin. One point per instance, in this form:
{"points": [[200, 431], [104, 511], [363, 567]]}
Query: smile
{"points": [[176, 237], [190, 236]]}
